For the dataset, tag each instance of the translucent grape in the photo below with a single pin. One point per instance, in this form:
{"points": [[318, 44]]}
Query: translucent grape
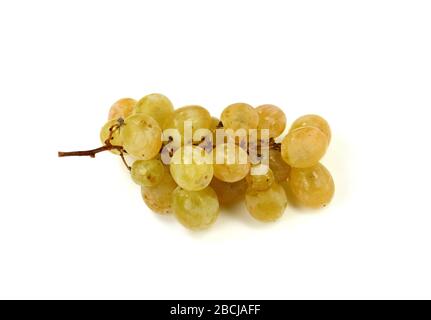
{"points": [[159, 197], [115, 138], [229, 193], [122, 109], [197, 115], [271, 117], [240, 116], [260, 182], [268, 205], [141, 136], [304, 147], [278, 166], [191, 168], [196, 209], [157, 106], [312, 120], [312, 187], [231, 162], [147, 173]]}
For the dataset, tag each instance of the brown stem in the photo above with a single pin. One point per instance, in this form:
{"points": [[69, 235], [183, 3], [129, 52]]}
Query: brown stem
{"points": [[90, 153]]}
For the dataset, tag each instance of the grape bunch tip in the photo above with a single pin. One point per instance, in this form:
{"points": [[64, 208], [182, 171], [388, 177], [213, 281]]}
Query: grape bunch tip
{"points": [[191, 164]]}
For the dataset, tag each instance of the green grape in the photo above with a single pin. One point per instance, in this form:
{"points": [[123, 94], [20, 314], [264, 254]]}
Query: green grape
{"points": [[271, 117], [278, 166], [260, 182], [115, 138], [268, 205], [191, 167], [312, 187], [122, 109], [157, 106], [240, 116], [195, 209], [147, 173], [159, 197], [229, 193], [230, 162], [312, 120], [197, 115], [142, 136], [304, 147]]}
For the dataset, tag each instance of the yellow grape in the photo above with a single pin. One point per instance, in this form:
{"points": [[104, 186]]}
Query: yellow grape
{"points": [[230, 162], [268, 205], [191, 168], [312, 187], [312, 120], [115, 138], [304, 147], [278, 166], [229, 193], [147, 173], [142, 136], [271, 117], [159, 197], [260, 182], [196, 209], [157, 106], [199, 117], [240, 116], [122, 109]]}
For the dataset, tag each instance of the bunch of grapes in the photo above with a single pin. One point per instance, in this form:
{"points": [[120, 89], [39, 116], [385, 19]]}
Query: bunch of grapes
{"points": [[192, 174]]}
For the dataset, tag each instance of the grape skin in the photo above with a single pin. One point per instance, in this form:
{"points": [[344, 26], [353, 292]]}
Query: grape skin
{"points": [[260, 182], [232, 168], [304, 147], [268, 205], [240, 116], [148, 173], [157, 106], [229, 193], [141, 136], [115, 138], [195, 209], [194, 175], [199, 117], [159, 197], [278, 166], [312, 187], [273, 118], [122, 109], [313, 120]]}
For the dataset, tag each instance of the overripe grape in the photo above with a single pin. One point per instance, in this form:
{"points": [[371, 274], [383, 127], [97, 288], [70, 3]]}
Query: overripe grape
{"points": [[196, 209], [230, 162], [141, 136], [191, 168], [268, 205], [312, 120], [304, 147], [157, 106], [229, 193], [278, 166], [312, 187], [122, 109], [147, 173]]}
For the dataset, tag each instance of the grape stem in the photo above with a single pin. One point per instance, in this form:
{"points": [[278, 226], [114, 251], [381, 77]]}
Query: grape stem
{"points": [[107, 147]]}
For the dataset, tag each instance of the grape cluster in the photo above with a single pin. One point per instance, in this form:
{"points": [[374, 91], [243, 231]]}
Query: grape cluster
{"points": [[193, 175]]}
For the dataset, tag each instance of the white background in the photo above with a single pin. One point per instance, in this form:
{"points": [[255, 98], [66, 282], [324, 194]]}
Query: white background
{"points": [[78, 228]]}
